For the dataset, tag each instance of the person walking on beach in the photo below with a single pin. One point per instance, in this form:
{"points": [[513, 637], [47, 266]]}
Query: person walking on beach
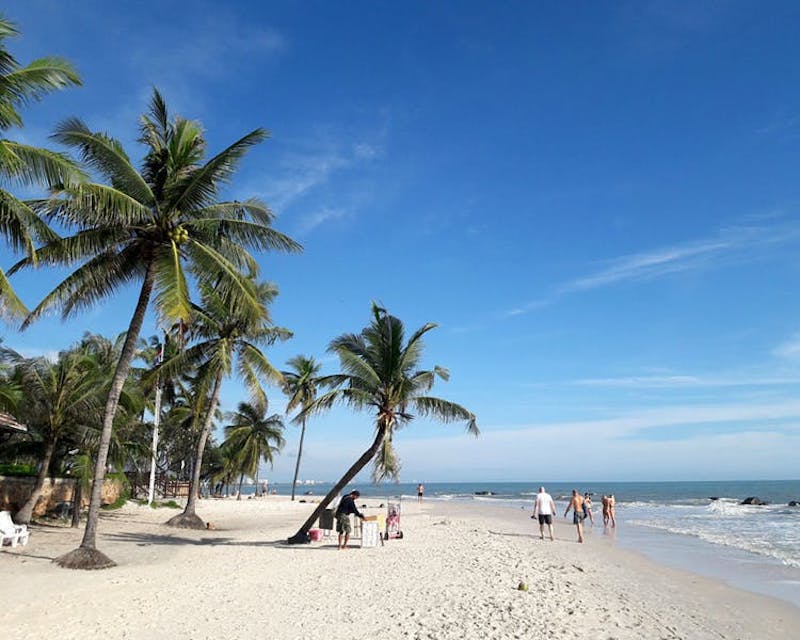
{"points": [[420, 491], [545, 510], [576, 504], [612, 510], [587, 507], [347, 505]]}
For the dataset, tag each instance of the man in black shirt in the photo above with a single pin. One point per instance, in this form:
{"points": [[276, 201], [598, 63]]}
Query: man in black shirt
{"points": [[343, 511]]}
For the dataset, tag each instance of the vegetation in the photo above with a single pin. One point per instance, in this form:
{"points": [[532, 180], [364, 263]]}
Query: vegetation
{"points": [[300, 384], [230, 334], [22, 164], [164, 228], [379, 374], [142, 227]]}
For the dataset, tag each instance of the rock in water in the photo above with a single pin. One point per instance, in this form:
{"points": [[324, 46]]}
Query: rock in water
{"points": [[753, 500]]}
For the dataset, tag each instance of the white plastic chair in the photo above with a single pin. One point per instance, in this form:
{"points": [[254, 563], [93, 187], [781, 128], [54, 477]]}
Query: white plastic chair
{"points": [[14, 533]]}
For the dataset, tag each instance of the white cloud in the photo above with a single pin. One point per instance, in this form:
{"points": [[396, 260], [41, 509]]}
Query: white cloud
{"points": [[790, 349], [728, 246], [609, 448], [687, 381]]}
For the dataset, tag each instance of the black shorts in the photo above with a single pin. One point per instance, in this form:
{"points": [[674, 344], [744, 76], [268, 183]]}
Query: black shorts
{"points": [[545, 518]]}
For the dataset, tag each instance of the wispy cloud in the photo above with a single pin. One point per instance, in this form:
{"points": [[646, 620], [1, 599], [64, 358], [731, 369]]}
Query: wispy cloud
{"points": [[686, 381], [728, 246], [665, 442], [321, 216], [208, 47], [790, 349], [310, 167]]}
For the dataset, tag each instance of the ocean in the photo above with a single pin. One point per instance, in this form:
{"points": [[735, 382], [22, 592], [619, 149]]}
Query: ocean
{"points": [[696, 526]]}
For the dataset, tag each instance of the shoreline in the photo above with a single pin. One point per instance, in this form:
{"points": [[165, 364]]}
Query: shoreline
{"points": [[453, 575]]}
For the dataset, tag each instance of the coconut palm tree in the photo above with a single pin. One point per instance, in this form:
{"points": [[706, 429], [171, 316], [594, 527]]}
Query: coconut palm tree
{"points": [[300, 384], [229, 333], [23, 164], [142, 227], [254, 437], [379, 374], [60, 396]]}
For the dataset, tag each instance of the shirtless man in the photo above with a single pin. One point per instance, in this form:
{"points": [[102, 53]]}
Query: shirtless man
{"points": [[576, 504]]}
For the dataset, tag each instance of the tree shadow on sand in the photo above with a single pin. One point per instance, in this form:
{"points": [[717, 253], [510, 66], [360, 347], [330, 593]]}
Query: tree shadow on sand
{"points": [[147, 539]]}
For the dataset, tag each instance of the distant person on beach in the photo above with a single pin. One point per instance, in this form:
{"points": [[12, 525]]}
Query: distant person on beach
{"points": [[545, 510], [587, 507], [347, 505], [609, 512], [420, 491], [576, 504], [612, 510]]}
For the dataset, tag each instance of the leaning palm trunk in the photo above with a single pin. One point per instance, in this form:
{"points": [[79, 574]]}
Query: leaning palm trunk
{"points": [[24, 515], [299, 455], [189, 518], [87, 556], [301, 537]]}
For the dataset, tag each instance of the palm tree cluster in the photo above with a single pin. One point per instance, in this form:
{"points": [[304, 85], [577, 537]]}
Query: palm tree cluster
{"points": [[164, 228]]}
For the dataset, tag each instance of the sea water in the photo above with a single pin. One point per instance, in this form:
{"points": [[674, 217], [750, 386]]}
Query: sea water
{"points": [[698, 526]]}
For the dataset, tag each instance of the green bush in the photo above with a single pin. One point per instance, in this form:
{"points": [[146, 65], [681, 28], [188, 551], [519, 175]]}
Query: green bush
{"points": [[7, 469], [124, 493]]}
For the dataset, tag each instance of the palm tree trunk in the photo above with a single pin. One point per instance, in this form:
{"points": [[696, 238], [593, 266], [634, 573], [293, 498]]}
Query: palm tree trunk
{"points": [[239, 490], [189, 519], [24, 515], [301, 537], [77, 500], [87, 556], [299, 455]]}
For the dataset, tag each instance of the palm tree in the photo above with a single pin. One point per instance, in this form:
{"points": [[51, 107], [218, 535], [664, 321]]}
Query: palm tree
{"points": [[379, 373], [23, 164], [300, 384], [229, 333], [60, 397], [254, 437], [142, 227]]}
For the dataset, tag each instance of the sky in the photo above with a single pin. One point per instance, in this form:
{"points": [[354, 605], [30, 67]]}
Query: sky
{"points": [[597, 203]]}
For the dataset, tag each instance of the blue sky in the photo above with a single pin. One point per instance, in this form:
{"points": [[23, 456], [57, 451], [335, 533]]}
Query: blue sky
{"points": [[596, 202]]}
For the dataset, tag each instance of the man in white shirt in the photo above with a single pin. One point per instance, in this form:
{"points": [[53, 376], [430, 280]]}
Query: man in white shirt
{"points": [[545, 509]]}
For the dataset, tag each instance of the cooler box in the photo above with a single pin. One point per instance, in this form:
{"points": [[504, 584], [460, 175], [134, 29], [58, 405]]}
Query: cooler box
{"points": [[369, 534]]}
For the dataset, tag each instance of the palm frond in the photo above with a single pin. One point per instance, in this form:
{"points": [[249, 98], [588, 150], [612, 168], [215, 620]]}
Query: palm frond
{"points": [[28, 165], [171, 291], [202, 185], [107, 156]]}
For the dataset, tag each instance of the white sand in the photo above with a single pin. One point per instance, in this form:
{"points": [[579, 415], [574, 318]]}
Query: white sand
{"points": [[453, 575]]}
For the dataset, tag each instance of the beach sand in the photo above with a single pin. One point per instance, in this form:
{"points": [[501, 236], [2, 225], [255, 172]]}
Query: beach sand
{"points": [[453, 575]]}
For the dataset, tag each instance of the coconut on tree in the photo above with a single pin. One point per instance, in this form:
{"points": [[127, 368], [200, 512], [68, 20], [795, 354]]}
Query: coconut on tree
{"points": [[22, 164], [156, 228], [380, 374]]}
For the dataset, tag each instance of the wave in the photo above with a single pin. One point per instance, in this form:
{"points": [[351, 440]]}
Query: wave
{"points": [[755, 545]]}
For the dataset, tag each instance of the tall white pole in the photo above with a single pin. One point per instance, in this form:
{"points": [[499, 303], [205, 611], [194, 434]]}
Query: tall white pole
{"points": [[156, 421]]}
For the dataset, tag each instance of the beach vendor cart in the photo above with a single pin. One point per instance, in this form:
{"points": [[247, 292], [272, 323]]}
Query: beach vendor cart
{"points": [[393, 530]]}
